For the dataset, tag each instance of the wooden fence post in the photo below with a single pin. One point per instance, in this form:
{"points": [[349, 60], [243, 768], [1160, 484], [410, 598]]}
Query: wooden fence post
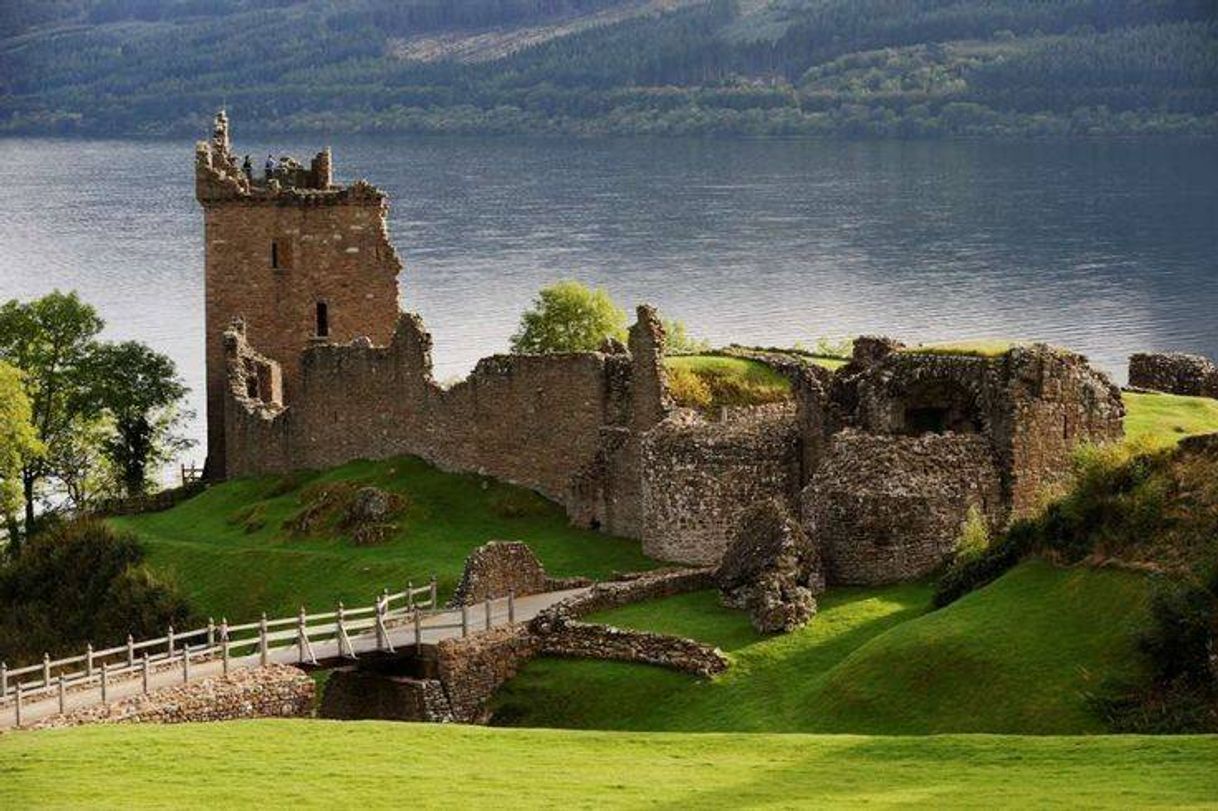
{"points": [[63, 691], [211, 633], [418, 633], [224, 644], [186, 664], [301, 636], [46, 670], [433, 592], [264, 651], [488, 613], [3, 679], [130, 651], [409, 594], [464, 621], [145, 673], [105, 673], [512, 607], [378, 625], [89, 660], [17, 706], [171, 640]]}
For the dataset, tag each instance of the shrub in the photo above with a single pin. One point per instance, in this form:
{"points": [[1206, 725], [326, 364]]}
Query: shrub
{"points": [[678, 341], [974, 536], [689, 389], [961, 578], [82, 582]]}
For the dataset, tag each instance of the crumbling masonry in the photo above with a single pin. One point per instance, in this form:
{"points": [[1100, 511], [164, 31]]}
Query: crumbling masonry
{"points": [[310, 364]]}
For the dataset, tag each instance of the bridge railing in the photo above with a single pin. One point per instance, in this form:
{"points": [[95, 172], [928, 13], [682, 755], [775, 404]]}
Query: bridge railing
{"points": [[97, 669]]}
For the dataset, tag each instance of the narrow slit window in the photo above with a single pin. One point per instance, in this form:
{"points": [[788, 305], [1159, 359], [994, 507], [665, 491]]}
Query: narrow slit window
{"points": [[323, 320], [274, 254]]}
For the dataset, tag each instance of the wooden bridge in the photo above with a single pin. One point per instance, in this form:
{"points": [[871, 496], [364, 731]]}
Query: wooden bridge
{"points": [[394, 623]]}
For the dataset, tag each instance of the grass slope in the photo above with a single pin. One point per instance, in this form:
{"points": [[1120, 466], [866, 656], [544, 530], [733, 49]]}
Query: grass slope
{"points": [[382, 765], [226, 570], [1164, 419], [1019, 656]]}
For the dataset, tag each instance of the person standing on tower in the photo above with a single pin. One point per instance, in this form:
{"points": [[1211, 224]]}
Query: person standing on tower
{"points": [[270, 166]]}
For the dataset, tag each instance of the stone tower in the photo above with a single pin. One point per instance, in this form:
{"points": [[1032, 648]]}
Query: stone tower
{"points": [[295, 257]]}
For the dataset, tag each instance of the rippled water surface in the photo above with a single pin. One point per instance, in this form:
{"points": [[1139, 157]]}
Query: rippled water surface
{"points": [[1106, 247]]}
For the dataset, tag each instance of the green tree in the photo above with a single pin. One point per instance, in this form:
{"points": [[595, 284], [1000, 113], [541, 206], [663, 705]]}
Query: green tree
{"points": [[19, 444], [139, 390], [51, 340], [569, 317]]}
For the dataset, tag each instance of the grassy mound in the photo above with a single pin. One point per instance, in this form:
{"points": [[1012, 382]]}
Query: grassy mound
{"points": [[271, 543], [979, 348], [376, 764], [1020, 656]]}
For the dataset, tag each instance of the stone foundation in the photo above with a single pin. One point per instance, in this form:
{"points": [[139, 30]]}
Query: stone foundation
{"points": [[354, 694], [277, 691]]}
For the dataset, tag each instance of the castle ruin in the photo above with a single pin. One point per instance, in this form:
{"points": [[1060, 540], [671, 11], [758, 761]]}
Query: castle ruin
{"points": [[310, 364]]}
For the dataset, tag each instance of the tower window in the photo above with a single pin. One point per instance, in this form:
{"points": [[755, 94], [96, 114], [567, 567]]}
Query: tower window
{"points": [[274, 254], [323, 320]]}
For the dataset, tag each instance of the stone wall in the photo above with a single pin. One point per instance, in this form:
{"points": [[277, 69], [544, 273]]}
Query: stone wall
{"points": [[277, 691], [472, 669], [1174, 373], [887, 508], [699, 476], [497, 569], [536, 420], [591, 641]]}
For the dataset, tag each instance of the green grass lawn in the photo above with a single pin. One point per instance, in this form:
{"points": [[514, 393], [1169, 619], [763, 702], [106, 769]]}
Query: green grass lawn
{"points": [[1162, 420], [325, 764], [1020, 656], [224, 569]]}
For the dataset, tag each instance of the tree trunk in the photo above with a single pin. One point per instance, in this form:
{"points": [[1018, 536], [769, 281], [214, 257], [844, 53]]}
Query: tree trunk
{"points": [[27, 483]]}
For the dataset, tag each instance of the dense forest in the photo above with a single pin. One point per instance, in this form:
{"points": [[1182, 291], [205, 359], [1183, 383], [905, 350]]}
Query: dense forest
{"points": [[858, 68]]}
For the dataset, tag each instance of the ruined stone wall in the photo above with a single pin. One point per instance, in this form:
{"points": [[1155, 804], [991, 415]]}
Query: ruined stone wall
{"points": [[497, 569], [536, 420], [1174, 373], [698, 477], [1056, 403], [883, 509], [592, 641], [1035, 404], [277, 691]]}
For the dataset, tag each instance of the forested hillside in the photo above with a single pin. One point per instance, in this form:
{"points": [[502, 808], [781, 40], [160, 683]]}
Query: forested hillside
{"points": [[908, 68]]}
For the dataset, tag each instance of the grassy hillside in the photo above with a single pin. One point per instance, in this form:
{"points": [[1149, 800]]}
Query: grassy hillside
{"points": [[1021, 656], [229, 550], [383, 765], [1162, 420], [781, 67]]}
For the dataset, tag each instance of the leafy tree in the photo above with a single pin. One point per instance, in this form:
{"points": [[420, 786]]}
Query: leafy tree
{"points": [[138, 388], [569, 317], [19, 444], [51, 340], [678, 341]]}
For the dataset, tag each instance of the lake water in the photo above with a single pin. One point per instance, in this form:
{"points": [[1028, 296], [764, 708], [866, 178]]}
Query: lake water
{"points": [[1105, 247]]}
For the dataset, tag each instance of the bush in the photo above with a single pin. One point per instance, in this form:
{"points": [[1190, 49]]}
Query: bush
{"points": [[687, 388], [973, 573], [569, 317], [82, 582], [974, 536], [678, 341]]}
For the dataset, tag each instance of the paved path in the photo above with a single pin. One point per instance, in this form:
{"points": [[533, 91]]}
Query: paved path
{"points": [[401, 637]]}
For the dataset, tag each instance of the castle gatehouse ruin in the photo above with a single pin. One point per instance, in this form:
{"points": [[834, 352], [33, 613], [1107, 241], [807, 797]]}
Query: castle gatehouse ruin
{"points": [[310, 364]]}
